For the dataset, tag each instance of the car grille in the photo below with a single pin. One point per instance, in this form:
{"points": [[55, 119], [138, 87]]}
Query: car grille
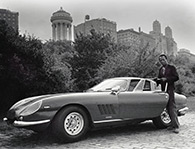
{"points": [[106, 109]]}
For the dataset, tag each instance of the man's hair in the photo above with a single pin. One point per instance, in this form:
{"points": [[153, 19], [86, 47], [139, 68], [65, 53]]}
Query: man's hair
{"points": [[163, 55]]}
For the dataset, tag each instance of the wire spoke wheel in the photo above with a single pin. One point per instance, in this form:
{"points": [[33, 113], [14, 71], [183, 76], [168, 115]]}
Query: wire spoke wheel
{"points": [[165, 117], [163, 120], [74, 123], [70, 124]]}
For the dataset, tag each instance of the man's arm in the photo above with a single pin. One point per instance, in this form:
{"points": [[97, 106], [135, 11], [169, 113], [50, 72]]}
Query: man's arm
{"points": [[158, 80]]}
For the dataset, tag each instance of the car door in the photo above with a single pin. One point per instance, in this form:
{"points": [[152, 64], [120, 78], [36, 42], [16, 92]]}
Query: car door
{"points": [[141, 101], [105, 109]]}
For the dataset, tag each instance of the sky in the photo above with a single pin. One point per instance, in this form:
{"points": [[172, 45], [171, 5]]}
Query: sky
{"points": [[34, 15]]}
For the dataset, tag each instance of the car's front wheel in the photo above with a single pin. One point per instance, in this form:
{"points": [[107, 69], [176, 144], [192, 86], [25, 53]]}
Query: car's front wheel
{"points": [[162, 121], [70, 124]]}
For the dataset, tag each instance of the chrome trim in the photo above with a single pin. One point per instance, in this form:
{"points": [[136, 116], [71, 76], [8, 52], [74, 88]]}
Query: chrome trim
{"points": [[23, 123], [5, 119], [183, 110], [107, 121], [46, 107]]}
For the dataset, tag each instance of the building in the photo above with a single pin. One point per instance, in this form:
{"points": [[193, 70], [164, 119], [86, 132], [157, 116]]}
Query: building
{"points": [[146, 40], [99, 25], [128, 37], [171, 44], [164, 43], [155, 39], [10, 17], [135, 39], [187, 53], [61, 25]]}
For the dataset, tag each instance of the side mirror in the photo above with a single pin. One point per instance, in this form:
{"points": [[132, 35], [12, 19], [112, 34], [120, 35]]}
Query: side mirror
{"points": [[115, 90]]}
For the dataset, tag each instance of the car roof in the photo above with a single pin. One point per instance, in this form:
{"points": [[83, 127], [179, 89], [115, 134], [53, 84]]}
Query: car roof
{"points": [[128, 78]]}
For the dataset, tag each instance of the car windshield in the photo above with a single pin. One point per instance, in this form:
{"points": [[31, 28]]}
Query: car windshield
{"points": [[107, 85]]}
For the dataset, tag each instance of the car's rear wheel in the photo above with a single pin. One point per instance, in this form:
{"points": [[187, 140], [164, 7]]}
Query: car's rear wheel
{"points": [[162, 121], [70, 124]]}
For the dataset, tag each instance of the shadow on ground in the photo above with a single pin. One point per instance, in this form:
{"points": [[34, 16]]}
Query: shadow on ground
{"points": [[13, 137]]}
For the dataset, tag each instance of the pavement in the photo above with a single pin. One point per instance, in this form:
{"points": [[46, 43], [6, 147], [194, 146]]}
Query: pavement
{"points": [[142, 136]]}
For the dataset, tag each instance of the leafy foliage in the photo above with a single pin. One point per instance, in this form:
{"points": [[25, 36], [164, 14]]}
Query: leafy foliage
{"points": [[21, 66], [131, 62], [28, 67], [57, 56], [90, 53], [185, 68]]}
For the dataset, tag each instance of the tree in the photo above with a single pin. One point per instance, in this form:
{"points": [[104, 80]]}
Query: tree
{"points": [[90, 53], [185, 66], [21, 66], [129, 61], [57, 56]]}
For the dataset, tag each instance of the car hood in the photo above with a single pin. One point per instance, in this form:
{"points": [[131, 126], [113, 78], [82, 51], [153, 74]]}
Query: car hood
{"points": [[28, 101], [31, 100]]}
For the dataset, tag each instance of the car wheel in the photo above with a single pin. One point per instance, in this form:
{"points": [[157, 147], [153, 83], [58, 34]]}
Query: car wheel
{"points": [[163, 121], [70, 124]]}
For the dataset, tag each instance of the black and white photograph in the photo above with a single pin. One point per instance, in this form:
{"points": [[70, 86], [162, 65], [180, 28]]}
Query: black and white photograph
{"points": [[82, 74]]}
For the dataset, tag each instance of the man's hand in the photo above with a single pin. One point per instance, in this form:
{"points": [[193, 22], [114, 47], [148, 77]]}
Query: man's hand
{"points": [[164, 79], [156, 79], [160, 79]]}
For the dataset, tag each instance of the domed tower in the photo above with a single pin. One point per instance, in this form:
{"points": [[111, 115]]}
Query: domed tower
{"points": [[61, 25], [168, 32], [156, 27]]}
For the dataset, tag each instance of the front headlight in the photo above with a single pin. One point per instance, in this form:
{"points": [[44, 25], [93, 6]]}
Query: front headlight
{"points": [[24, 101], [32, 108]]}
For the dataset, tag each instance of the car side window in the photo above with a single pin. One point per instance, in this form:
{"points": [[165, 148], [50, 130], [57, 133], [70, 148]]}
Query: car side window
{"points": [[133, 84], [147, 86]]}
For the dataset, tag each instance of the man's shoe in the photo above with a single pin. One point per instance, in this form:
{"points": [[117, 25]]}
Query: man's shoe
{"points": [[176, 130], [170, 128]]}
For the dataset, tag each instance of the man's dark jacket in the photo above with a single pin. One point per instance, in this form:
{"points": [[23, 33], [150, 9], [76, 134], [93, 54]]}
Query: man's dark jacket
{"points": [[170, 74]]}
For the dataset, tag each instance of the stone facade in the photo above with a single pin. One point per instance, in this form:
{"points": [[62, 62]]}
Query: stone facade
{"points": [[164, 43], [61, 25], [128, 37], [155, 39], [186, 53], [10, 17], [99, 25], [135, 39]]}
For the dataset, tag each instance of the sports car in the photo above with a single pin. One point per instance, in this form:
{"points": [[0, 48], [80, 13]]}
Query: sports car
{"points": [[114, 101]]}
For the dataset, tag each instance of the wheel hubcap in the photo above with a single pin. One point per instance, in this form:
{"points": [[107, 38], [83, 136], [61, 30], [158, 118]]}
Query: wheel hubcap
{"points": [[74, 123], [165, 117]]}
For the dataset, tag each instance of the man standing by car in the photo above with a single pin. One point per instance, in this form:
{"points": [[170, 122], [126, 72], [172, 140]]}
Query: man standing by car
{"points": [[166, 77]]}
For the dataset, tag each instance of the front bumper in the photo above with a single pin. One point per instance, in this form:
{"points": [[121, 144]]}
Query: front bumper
{"points": [[183, 111], [17, 123]]}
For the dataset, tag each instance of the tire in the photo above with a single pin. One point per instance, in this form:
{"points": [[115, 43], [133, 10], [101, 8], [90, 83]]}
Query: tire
{"points": [[70, 124], [162, 121]]}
